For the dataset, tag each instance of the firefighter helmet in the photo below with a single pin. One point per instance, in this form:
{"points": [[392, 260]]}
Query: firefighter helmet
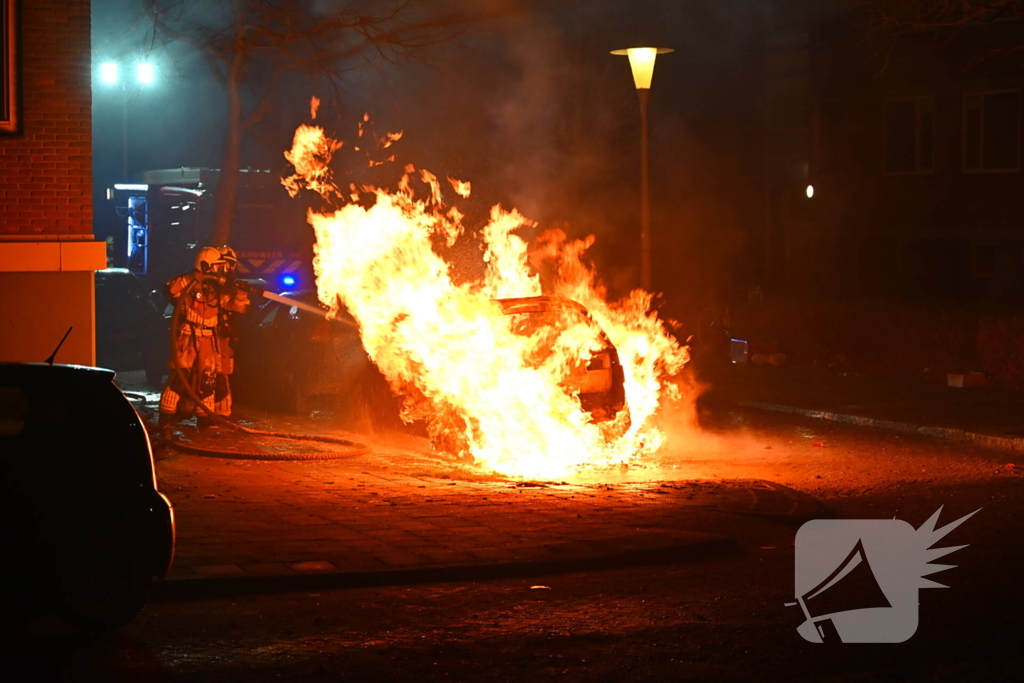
{"points": [[230, 257], [209, 260]]}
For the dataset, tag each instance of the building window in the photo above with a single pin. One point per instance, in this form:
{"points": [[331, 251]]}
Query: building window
{"points": [[831, 135], [991, 130], [910, 136]]}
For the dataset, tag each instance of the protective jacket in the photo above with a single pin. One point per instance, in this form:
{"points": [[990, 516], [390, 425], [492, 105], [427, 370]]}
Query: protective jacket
{"points": [[201, 352]]}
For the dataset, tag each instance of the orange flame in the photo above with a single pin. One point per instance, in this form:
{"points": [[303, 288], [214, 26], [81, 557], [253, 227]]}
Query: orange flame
{"points": [[508, 398], [390, 139], [462, 188], [311, 155]]}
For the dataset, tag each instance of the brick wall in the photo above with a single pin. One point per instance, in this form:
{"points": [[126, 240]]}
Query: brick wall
{"points": [[46, 172], [47, 250]]}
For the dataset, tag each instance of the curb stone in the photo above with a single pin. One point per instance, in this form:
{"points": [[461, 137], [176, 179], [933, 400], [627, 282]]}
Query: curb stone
{"points": [[576, 556], [948, 433]]}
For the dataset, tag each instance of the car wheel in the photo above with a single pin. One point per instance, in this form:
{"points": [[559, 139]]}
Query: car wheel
{"points": [[101, 584], [374, 398]]}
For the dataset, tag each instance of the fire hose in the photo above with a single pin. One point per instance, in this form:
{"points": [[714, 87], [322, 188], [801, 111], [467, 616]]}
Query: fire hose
{"points": [[351, 448]]}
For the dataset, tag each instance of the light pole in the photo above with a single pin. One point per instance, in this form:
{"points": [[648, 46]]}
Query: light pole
{"points": [[110, 74], [641, 62]]}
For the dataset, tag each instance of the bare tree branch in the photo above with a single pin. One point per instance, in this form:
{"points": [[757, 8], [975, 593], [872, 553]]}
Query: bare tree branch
{"points": [[251, 46], [890, 26]]}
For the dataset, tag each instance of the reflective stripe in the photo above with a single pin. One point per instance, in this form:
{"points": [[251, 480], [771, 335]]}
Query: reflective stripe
{"points": [[195, 330], [169, 400], [256, 267]]}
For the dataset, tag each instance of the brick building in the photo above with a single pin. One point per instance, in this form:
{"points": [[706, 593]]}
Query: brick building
{"points": [[47, 249], [916, 168]]}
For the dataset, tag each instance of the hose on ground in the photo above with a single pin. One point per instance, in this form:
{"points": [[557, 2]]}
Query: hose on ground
{"points": [[350, 448]]}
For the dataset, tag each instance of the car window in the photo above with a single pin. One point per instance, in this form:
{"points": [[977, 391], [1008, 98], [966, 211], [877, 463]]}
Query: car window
{"points": [[25, 409], [269, 313], [14, 408], [551, 322], [528, 324], [553, 331], [134, 288], [278, 315]]}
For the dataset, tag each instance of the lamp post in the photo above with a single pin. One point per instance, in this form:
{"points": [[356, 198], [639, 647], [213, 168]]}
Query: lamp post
{"points": [[641, 62], [110, 74]]}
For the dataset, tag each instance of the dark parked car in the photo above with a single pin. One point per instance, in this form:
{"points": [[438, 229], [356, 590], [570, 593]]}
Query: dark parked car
{"points": [[286, 357], [130, 331], [87, 530]]}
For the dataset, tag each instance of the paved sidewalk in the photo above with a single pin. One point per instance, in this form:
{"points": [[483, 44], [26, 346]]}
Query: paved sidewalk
{"points": [[256, 518], [401, 510], [981, 415]]}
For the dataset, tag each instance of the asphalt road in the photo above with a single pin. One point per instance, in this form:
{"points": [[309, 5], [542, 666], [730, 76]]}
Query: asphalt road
{"points": [[715, 619]]}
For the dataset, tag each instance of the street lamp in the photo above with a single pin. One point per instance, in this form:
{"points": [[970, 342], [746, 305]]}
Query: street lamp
{"points": [[110, 74], [641, 62]]}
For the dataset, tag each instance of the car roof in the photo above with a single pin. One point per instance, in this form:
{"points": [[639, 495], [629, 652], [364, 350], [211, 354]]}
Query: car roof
{"points": [[19, 373], [539, 304], [110, 272]]}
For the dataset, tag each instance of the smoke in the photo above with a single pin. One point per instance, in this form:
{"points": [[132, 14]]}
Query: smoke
{"points": [[536, 112], [530, 112], [533, 109], [530, 106], [538, 115]]}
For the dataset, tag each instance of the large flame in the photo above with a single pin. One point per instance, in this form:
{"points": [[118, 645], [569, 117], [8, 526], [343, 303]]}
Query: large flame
{"points": [[449, 349]]}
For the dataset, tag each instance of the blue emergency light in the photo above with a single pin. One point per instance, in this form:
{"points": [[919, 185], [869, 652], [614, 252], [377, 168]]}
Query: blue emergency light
{"points": [[288, 280]]}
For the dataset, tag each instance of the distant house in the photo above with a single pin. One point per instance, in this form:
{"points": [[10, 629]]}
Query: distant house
{"points": [[47, 249], [916, 171]]}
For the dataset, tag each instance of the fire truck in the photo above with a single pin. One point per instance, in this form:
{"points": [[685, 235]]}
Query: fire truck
{"points": [[167, 217]]}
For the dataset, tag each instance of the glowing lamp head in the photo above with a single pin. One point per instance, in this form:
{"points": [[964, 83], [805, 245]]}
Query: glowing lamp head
{"points": [[288, 280], [145, 72], [810, 191], [641, 62], [109, 73]]}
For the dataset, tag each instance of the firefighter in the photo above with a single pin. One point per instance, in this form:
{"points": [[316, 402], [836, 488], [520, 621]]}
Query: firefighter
{"points": [[226, 330], [202, 299], [230, 257]]}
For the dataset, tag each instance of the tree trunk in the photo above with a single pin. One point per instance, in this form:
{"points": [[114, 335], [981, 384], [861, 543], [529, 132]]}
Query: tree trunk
{"points": [[227, 185]]}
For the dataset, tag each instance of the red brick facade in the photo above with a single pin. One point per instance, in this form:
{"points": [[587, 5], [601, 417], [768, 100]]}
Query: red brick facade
{"points": [[46, 172]]}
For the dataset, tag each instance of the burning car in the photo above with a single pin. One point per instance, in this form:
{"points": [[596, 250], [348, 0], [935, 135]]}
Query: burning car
{"points": [[561, 338], [541, 397], [328, 358], [600, 382]]}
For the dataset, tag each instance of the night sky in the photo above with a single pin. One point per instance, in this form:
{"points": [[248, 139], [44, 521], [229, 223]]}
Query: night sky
{"points": [[530, 107]]}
